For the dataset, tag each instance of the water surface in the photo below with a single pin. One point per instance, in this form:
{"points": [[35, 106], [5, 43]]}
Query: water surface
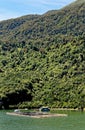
{"points": [[74, 121]]}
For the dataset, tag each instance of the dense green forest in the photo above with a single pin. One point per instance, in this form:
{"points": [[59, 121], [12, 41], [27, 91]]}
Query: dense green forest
{"points": [[42, 59]]}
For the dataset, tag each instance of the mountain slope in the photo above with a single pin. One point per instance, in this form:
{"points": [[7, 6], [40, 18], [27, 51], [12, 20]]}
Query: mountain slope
{"points": [[70, 19], [42, 59]]}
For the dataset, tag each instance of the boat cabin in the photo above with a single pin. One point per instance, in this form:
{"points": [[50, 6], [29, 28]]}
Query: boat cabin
{"points": [[44, 109]]}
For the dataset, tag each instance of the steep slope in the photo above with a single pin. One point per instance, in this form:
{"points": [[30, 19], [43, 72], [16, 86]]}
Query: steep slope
{"points": [[43, 59], [69, 20]]}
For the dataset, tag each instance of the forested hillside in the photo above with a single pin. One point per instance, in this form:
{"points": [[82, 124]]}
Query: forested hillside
{"points": [[43, 59]]}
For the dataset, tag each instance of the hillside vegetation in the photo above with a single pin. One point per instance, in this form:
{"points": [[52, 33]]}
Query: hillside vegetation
{"points": [[43, 59]]}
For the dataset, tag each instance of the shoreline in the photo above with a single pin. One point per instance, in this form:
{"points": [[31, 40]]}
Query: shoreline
{"points": [[38, 115]]}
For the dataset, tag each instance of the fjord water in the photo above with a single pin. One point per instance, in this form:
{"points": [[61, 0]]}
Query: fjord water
{"points": [[74, 121]]}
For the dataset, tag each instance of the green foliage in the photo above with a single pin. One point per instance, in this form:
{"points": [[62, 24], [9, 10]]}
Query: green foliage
{"points": [[43, 59]]}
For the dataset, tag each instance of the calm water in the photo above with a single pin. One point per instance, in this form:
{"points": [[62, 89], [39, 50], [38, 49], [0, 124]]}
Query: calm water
{"points": [[74, 121]]}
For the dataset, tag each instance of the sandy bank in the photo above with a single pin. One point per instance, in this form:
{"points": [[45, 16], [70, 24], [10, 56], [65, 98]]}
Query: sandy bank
{"points": [[36, 115]]}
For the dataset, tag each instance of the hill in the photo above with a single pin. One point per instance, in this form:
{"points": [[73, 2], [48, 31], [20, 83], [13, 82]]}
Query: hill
{"points": [[42, 59], [70, 19]]}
